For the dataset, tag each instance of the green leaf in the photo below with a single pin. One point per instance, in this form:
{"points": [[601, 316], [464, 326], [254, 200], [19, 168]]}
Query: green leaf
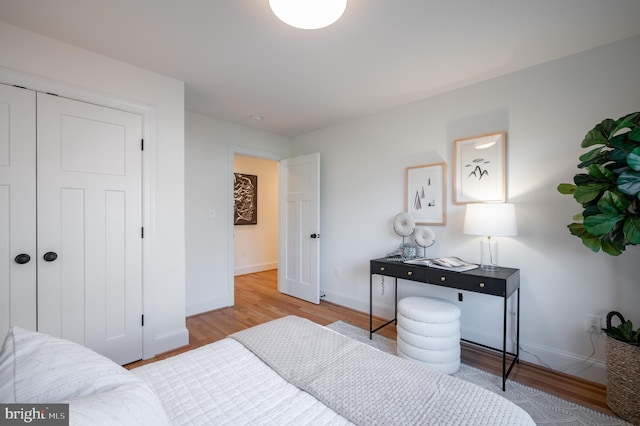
{"points": [[613, 243], [624, 122], [629, 182], [583, 178], [633, 159], [632, 229], [588, 192], [601, 224], [601, 158], [619, 154], [612, 249], [601, 173], [594, 137], [613, 204], [578, 216], [588, 156], [590, 209], [566, 188], [588, 240], [634, 134]]}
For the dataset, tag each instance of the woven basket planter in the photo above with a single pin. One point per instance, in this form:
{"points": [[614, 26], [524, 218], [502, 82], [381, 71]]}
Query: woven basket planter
{"points": [[623, 380]]}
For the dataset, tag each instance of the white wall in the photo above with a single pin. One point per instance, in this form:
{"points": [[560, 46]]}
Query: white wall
{"points": [[210, 148], [546, 111], [39, 63], [256, 246]]}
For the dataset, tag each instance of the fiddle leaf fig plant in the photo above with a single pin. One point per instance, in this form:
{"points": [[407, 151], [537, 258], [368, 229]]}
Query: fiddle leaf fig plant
{"points": [[609, 188]]}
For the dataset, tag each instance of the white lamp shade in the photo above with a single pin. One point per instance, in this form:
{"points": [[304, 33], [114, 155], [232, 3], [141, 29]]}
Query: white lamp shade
{"points": [[495, 220], [308, 14]]}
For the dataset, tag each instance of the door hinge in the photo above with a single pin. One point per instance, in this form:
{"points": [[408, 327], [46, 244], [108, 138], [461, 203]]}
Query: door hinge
{"points": [[141, 144], [142, 320], [142, 232]]}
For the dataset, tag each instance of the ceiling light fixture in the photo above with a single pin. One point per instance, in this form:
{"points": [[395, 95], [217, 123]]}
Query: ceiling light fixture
{"points": [[308, 14]]}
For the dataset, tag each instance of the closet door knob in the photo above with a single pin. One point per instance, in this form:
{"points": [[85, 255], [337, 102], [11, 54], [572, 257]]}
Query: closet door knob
{"points": [[22, 258], [50, 256]]}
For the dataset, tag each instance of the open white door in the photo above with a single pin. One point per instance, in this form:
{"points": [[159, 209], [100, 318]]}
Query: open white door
{"points": [[299, 211]]}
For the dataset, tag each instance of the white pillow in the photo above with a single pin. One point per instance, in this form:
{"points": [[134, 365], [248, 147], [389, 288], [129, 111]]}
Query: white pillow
{"points": [[7, 374], [37, 368]]}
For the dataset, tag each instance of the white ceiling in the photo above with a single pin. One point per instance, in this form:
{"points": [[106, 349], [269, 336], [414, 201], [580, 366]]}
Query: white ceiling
{"points": [[237, 59]]}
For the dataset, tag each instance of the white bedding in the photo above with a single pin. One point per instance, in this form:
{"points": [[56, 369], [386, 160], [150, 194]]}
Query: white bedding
{"points": [[222, 383], [237, 389]]}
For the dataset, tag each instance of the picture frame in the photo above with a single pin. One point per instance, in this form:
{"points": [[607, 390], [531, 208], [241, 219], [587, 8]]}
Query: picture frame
{"points": [[480, 169], [426, 193], [245, 199]]}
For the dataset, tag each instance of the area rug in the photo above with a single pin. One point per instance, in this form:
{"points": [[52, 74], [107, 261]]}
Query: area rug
{"points": [[545, 409]]}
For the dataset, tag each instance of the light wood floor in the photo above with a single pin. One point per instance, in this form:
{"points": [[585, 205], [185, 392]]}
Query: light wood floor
{"points": [[257, 300]]}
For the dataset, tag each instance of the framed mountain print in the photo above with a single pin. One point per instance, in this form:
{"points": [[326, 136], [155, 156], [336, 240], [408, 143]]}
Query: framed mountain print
{"points": [[479, 169]]}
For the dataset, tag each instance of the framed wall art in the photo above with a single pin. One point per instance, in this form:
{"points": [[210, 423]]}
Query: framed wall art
{"points": [[426, 194], [245, 199], [479, 173]]}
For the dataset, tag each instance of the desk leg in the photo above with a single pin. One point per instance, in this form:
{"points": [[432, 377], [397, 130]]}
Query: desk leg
{"points": [[504, 345], [518, 330], [370, 306], [395, 315]]}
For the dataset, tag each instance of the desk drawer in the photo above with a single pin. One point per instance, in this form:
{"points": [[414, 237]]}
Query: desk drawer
{"points": [[400, 270], [462, 281]]}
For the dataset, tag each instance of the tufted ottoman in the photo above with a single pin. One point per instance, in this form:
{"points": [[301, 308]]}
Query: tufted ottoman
{"points": [[429, 332]]}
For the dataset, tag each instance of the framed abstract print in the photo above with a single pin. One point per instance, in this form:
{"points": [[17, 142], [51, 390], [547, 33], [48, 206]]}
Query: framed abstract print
{"points": [[245, 199]]}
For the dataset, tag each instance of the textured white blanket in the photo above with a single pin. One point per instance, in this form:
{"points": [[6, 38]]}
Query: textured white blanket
{"points": [[370, 387]]}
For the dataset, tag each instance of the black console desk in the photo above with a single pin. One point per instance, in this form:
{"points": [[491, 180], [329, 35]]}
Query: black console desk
{"points": [[503, 282]]}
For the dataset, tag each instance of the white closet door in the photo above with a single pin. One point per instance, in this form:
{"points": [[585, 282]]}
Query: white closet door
{"points": [[90, 217], [17, 208]]}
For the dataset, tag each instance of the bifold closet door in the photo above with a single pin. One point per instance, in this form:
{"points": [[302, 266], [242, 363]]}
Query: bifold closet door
{"points": [[18, 257], [89, 183]]}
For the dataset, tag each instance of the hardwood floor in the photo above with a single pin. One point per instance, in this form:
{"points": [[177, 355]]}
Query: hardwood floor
{"points": [[257, 300]]}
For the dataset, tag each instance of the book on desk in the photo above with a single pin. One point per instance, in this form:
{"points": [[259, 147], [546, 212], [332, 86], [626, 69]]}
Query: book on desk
{"points": [[454, 264]]}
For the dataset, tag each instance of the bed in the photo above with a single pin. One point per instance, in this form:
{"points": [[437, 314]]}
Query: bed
{"points": [[289, 371]]}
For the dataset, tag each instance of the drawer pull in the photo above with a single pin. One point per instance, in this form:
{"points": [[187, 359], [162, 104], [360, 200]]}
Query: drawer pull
{"points": [[410, 273], [481, 285], [443, 279], [382, 268]]}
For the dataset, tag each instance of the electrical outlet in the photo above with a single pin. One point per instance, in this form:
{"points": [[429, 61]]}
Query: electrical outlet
{"points": [[592, 323]]}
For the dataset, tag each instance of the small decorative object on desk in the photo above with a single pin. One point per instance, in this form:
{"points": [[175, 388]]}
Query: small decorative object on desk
{"points": [[454, 264], [403, 225], [424, 237], [404, 252]]}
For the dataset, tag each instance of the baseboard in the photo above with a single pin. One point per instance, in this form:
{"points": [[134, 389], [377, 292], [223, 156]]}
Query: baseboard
{"points": [[207, 305], [258, 267], [171, 340]]}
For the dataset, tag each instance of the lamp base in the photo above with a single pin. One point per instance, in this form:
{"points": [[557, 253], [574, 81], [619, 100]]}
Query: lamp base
{"points": [[489, 254], [489, 267]]}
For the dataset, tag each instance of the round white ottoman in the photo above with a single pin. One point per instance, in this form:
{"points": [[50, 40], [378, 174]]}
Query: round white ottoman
{"points": [[429, 332]]}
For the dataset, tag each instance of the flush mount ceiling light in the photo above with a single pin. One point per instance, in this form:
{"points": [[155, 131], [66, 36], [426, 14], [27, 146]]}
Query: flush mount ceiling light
{"points": [[308, 14]]}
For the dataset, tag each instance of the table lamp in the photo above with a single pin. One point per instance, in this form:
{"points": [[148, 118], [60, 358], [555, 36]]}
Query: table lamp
{"points": [[490, 220]]}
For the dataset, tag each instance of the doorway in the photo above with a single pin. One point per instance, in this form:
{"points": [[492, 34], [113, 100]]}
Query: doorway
{"points": [[255, 227]]}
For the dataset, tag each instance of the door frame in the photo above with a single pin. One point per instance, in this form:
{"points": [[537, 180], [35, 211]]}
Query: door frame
{"points": [[247, 152], [40, 84]]}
